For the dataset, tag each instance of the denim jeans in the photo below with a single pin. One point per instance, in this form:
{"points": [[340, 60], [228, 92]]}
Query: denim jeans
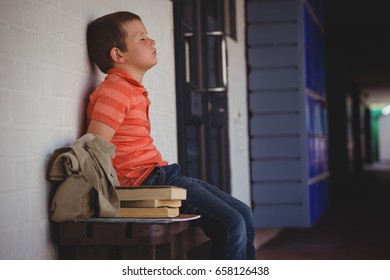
{"points": [[225, 219]]}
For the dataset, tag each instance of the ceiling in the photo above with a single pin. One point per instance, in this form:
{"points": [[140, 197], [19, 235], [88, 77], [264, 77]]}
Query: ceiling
{"points": [[361, 31]]}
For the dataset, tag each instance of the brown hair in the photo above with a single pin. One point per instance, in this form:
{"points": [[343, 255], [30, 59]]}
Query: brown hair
{"points": [[105, 33]]}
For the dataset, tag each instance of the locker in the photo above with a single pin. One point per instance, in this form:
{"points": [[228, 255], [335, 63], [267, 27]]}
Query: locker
{"points": [[287, 104]]}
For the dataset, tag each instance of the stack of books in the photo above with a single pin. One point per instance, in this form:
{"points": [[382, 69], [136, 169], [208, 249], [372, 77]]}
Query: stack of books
{"points": [[150, 201]]}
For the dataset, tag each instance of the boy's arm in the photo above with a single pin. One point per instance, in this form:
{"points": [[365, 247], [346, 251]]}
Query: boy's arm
{"points": [[101, 129]]}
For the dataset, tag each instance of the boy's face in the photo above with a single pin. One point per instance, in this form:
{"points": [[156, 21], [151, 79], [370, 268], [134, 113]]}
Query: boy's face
{"points": [[141, 54]]}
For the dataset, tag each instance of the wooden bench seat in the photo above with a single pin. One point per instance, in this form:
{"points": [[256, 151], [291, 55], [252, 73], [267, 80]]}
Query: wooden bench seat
{"points": [[132, 240]]}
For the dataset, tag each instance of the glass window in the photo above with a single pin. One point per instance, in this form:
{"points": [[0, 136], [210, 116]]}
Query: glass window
{"points": [[215, 143], [213, 11], [187, 18], [193, 151], [215, 61], [230, 18]]}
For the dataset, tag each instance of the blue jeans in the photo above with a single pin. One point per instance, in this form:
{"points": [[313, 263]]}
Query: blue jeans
{"points": [[225, 219]]}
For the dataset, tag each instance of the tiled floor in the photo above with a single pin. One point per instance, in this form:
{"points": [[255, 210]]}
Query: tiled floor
{"points": [[356, 227]]}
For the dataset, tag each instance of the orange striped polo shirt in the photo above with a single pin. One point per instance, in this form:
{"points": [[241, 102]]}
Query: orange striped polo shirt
{"points": [[123, 104]]}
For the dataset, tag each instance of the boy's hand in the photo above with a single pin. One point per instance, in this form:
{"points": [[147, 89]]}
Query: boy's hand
{"points": [[101, 129]]}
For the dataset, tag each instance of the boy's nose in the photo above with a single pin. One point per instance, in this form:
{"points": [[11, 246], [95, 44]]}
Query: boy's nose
{"points": [[153, 42]]}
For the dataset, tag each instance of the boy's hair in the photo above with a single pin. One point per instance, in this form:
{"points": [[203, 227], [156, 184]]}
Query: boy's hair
{"points": [[105, 33]]}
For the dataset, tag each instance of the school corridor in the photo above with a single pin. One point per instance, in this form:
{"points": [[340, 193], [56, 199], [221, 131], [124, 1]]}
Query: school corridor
{"points": [[355, 227]]}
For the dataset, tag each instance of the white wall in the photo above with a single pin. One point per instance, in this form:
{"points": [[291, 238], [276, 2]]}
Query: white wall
{"points": [[238, 110], [44, 78], [384, 138]]}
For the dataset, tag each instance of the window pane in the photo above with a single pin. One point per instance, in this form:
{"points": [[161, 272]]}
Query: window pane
{"points": [[196, 104], [193, 151], [230, 18], [214, 62], [213, 11], [215, 157], [187, 18]]}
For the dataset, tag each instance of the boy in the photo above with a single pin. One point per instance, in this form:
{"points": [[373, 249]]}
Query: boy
{"points": [[119, 112]]}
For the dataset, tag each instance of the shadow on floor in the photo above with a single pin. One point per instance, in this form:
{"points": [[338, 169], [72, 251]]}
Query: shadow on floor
{"points": [[356, 227]]}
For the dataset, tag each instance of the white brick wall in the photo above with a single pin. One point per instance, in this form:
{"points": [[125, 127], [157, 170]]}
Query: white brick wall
{"points": [[44, 78]]}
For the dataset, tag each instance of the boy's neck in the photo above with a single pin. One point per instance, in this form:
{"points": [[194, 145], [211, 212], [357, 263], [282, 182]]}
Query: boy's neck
{"points": [[136, 75]]}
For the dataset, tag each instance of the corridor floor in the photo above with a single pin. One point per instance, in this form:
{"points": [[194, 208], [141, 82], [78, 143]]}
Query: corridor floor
{"points": [[355, 227]]}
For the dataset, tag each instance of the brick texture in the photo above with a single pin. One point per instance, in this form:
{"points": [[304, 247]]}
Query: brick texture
{"points": [[44, 82]]}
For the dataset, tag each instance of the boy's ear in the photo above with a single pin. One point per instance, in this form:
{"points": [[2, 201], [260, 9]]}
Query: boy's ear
{"points": [[116, 55]]}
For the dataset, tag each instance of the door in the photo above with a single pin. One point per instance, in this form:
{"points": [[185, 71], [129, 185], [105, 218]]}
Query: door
{"points": [[201, 86]]}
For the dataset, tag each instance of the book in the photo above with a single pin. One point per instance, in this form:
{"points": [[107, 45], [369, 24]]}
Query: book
{"points": [[151, 193], [160, 212], [151, 203]]}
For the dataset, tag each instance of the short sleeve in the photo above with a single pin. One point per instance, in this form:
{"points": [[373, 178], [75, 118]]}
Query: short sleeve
{"points": [[111, 106]]}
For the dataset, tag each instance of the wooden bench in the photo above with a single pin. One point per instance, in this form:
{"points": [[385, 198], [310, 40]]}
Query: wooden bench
{"points": [[132, 240]]}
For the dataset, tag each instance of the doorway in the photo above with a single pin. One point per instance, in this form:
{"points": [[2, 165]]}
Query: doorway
{"points": [[201, 90]]}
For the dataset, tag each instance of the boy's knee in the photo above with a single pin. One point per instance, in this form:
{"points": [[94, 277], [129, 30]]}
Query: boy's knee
{"points": [[247, 213], [239, 225]]}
